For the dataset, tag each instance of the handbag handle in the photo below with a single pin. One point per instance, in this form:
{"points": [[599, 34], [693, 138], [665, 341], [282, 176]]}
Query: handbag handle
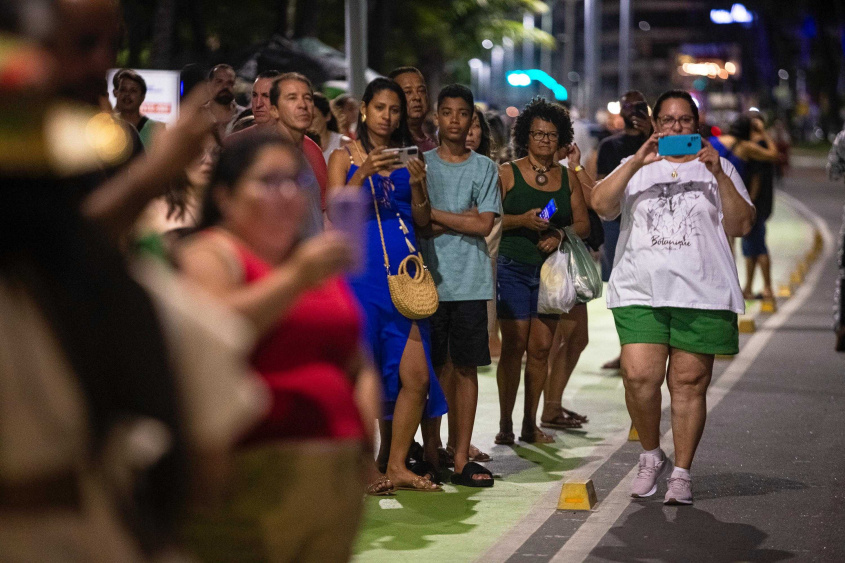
{"points": [[418, 274]]}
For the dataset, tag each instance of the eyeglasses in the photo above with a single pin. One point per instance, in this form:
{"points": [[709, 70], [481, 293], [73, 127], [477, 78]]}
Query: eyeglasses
{"points": [[669, 121], [281, 184], [540, 135]]}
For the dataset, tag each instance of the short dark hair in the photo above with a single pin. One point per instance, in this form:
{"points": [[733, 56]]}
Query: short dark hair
{"points": [[634, 94], [457, 91], [275, 89], [404, 70], [129, 74], [540, 108], [268, 74], [679, 95], [217, 68]]}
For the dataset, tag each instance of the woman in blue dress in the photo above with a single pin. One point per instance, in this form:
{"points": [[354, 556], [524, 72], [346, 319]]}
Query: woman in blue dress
{"points": [[401, 347]]}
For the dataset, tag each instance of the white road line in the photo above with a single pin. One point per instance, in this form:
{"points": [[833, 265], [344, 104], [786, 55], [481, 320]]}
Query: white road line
{"points": [[588, 535]]}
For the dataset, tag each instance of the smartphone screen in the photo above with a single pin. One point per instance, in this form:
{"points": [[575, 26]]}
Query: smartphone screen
{"points": [[549, 210]]}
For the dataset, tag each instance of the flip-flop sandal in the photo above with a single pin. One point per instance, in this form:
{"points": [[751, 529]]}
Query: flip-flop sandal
{"points": [[465, 477], [505, 439], [480, 456], [561, 422], [538, 437], [381, 487], [579, 417], [420, 485]]}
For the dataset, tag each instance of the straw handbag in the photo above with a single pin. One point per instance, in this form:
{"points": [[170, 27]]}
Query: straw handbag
{"points": [[415, 297]]}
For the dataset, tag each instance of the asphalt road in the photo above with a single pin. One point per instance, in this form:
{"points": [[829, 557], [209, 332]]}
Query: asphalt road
{"points": [[768, 478]]}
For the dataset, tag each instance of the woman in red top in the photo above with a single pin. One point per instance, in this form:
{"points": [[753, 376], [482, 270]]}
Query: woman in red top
{"points": [[296, 491]]}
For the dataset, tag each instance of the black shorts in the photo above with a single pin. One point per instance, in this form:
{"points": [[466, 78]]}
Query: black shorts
{"points": [[459, 332]]}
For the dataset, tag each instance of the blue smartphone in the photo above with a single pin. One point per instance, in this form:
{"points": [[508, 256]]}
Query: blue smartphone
{"points": [[549, 210], [679, 145]]}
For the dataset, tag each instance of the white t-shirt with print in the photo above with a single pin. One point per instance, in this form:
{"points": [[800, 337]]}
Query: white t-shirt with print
{"points": [[672, 249]]}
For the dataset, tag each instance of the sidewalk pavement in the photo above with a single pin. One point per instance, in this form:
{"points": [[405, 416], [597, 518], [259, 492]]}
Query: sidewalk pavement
{"points": [[465, 524]]}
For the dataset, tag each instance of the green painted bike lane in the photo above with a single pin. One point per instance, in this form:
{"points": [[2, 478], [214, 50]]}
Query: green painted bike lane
{"points": [[462, 523]]}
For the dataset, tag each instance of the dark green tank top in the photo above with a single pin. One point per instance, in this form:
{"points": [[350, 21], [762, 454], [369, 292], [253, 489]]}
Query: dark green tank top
{"points": [[521, 244]]}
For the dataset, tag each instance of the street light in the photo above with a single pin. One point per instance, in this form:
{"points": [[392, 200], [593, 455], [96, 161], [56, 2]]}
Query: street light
{"points": [[522, 78]]}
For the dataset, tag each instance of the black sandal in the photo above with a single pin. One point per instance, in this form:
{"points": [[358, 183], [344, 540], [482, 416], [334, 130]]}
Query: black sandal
{"points": [[465, 477]]}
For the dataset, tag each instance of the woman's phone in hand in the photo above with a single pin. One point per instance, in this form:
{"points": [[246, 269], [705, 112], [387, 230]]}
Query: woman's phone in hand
{"points": [[404, 154], [549, 210]]}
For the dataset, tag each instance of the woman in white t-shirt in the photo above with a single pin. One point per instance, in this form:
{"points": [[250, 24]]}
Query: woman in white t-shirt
{"points": [[674, 289]]}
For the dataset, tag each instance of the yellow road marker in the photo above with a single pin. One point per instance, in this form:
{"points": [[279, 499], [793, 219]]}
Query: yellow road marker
{"points": [[747, 324], [577, 495]]}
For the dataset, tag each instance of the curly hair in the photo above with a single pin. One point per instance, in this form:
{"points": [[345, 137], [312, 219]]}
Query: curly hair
{"points": [[540, 108]]}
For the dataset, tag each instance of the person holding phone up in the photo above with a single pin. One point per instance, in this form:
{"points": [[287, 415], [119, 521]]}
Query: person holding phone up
{"points": [[528, 184], [674, 289], [401, 347]]}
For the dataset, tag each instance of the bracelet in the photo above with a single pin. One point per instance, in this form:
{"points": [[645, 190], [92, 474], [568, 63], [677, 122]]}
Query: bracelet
{"points": [[577, 168], [423, 204]]}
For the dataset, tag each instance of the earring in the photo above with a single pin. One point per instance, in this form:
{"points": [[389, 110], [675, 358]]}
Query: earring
{"points": [[363, 118]]}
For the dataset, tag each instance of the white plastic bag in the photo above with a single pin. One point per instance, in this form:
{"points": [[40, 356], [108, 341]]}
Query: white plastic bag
{"points": [[557, 293]]}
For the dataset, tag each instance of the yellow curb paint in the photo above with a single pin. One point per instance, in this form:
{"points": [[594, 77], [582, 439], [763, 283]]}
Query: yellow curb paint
{"points": [[784, 291], [724, 357], [796, 278], [747, 325], [768, 306], [577, 495], [633, 435]]}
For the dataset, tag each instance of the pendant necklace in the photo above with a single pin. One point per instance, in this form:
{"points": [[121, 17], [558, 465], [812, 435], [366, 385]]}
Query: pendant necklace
{"points": [[541, 179], [675, 169]]}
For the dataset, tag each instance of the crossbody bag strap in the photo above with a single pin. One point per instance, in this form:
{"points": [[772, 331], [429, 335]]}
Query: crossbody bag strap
{"points": [[378, 215]]}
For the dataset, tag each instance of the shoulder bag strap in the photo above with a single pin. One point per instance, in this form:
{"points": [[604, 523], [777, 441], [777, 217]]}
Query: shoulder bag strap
{"points": [[375, 206]]}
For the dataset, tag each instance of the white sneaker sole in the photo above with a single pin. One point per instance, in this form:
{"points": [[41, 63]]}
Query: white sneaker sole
{"points": [[676, 502]]}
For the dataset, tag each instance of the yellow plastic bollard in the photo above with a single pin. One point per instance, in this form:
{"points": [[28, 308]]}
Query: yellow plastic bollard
{"points": [[577, 495]]}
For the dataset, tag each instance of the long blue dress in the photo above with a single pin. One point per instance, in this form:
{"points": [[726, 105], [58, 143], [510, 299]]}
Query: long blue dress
{"points": [[387, 328]]}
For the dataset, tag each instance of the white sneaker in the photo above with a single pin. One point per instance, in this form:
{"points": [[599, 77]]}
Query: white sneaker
{"points": [[680, 491], [650, 470]]}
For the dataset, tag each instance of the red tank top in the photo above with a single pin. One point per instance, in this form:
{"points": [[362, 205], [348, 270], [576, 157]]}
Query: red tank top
{"points": [[303, 359]]}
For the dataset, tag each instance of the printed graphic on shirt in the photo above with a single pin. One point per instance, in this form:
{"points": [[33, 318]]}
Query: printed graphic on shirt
{"points": [[672, 213]]}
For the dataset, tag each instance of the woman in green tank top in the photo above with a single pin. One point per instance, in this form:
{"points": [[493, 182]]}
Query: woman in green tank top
{"points": [[528, 184]]}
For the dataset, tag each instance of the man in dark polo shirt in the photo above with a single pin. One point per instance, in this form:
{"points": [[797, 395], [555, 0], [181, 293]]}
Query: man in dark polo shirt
{"points": [[635, 113]]}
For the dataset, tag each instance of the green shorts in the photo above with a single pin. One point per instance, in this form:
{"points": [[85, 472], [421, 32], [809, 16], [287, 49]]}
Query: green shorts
{"points": [[700, 331]]}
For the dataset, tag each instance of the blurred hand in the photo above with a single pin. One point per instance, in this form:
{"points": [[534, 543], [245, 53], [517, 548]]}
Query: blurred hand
{"points": [[417, 169], [176, 147], [531, 220], [322, 257]]}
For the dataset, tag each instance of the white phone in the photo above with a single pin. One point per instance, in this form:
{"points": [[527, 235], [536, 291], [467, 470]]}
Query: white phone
{"points": [[405, 154]]}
